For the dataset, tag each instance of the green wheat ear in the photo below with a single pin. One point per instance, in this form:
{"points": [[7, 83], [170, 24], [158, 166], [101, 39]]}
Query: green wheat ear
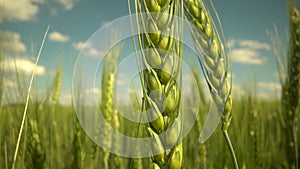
{"points": [[107, 87], [57, 86], [291, 87], [214, 61], [35, 148], [78, 146], [288, 65], [161, 76]]}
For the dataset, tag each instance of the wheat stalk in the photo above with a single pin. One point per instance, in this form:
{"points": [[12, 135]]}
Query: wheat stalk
{"points": [[161, 76], [214, 61]]}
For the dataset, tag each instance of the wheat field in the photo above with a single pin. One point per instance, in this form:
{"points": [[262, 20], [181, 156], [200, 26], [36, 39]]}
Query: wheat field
{"points": [[38, 131]]}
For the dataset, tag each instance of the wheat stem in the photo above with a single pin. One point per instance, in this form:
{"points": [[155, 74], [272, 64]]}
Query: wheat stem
{"points": [[232, 153]]}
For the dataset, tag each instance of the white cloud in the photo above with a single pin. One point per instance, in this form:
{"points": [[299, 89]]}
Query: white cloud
{"points": [[94, 52], [254, 44], [67, 4], [247, 56], [58, 37], [269, 86], [11, 42], [19, 10], [248, 51], [26, 10], [79, 45], [89, 49], [246, 43], [22, 65]]}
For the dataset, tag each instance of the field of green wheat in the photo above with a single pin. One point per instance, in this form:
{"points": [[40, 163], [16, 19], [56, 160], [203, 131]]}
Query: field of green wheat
{"points": [[39, 131]]}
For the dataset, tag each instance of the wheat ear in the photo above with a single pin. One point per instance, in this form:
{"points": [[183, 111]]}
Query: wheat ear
{"points": [[106, 106], [214, 61], [161, 76], [291, 87], [35, 148], [56, 86], [78, 151], [288, 65]]}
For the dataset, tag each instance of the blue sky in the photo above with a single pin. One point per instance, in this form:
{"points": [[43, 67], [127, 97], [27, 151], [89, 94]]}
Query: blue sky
{"points": [[74, 21]]}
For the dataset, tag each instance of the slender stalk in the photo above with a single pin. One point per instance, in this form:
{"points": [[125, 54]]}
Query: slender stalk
{"points": [[232, 153], [27, 100]]}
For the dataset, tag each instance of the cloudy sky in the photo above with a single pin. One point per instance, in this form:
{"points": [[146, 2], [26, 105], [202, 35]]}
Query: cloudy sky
{"points": [[23, 23]]}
